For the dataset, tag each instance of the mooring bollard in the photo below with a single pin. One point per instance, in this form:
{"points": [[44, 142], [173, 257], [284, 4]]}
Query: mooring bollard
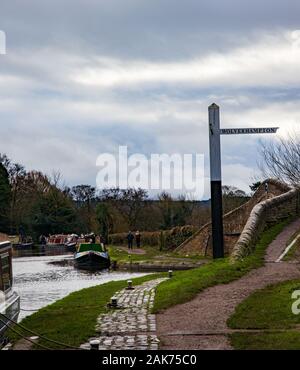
{"points": [[94, 343], [34, 338], [170, 273], [114, 302], [129, 285]]}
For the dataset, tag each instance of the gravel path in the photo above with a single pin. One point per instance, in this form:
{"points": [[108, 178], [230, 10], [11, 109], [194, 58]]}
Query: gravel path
{"points": [[201, 323], [133, 250]]}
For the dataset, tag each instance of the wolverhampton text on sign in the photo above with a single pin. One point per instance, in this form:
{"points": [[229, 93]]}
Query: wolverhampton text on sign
{"points": [[260, 130]]}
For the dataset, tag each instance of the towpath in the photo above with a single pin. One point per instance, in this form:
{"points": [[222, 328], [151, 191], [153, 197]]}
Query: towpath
{"points": [[201, 322]]}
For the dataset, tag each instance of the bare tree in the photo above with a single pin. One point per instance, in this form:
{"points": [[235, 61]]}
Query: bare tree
{"points": [[232, 197], [83, 194], [281, 159], [129, 202], [56, 179], [232, 191]]}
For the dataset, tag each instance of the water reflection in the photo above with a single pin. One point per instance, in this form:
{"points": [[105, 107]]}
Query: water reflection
{"points": [[40, 250], [39, 282]]}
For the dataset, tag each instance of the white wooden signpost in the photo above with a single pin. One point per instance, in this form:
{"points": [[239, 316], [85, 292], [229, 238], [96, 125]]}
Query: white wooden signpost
{"points": [[215, 172]]}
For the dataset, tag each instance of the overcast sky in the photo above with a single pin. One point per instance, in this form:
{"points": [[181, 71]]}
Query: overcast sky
{"points": [[81, 77]]}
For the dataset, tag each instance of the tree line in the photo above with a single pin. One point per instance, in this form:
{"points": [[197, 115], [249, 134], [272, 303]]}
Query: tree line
{"points": [[42, 204]]}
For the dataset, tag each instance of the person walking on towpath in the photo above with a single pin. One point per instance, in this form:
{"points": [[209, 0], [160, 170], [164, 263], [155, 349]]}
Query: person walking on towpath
{"points": [[130, 238], [138, 239]]}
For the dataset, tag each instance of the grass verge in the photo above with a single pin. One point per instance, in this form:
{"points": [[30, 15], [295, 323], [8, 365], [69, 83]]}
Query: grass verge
{"points": [[185, 285], [152, 253], [267, 309], [289, 340], [294, 251], [72, 319], [122, 255]]}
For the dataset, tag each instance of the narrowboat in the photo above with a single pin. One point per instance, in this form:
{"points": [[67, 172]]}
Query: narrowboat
{"points": [[61, 241], [21, 243], [91, 256], [23, 246], [57, 240], [71, 242], [9, 299]]}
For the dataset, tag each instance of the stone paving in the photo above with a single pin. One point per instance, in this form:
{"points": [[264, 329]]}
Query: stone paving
{"points": [[131, 325]]}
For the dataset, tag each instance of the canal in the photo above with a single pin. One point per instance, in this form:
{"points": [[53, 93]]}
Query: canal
{"points": [[41, 280]]}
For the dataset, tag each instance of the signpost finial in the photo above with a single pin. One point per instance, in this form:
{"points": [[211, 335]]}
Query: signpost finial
{"points": [[213, 106]]}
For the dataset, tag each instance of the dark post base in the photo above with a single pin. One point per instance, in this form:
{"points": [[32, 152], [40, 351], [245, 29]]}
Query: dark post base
{"points": [[217, 219]]}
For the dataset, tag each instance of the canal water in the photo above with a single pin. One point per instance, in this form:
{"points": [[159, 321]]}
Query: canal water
{"points": [[41, 280]]}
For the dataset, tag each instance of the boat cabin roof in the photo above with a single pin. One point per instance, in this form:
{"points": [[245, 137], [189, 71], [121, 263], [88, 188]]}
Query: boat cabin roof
{"points": [[85, 247], [5, 246]]}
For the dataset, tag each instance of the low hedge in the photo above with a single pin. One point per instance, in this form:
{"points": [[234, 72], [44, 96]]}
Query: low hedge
{"points": [[165, 239]]}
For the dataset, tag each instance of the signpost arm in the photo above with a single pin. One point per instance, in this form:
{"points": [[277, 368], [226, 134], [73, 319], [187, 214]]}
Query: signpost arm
{"points": [[215, 181]]}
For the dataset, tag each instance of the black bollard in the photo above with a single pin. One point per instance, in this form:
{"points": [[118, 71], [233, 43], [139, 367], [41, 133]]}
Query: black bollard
{"points": [[94, 343]]}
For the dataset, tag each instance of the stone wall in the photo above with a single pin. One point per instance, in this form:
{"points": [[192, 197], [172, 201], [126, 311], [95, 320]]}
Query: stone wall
{"points": [[267, 212], [234, 222]]}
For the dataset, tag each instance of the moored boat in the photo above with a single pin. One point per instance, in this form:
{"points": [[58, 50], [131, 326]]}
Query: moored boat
{"points": [[71, 242], [9, 299], [91, 256], [21, 243], [23, 246], [57, 240], [62, 241]]}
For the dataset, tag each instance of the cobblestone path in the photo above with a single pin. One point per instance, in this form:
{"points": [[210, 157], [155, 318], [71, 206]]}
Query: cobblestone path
{"points": [[132, 326]]}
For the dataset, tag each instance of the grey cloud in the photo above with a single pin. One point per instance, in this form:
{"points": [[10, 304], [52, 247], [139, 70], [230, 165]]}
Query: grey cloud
{"points": [[157, 29], [48, 121]]}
